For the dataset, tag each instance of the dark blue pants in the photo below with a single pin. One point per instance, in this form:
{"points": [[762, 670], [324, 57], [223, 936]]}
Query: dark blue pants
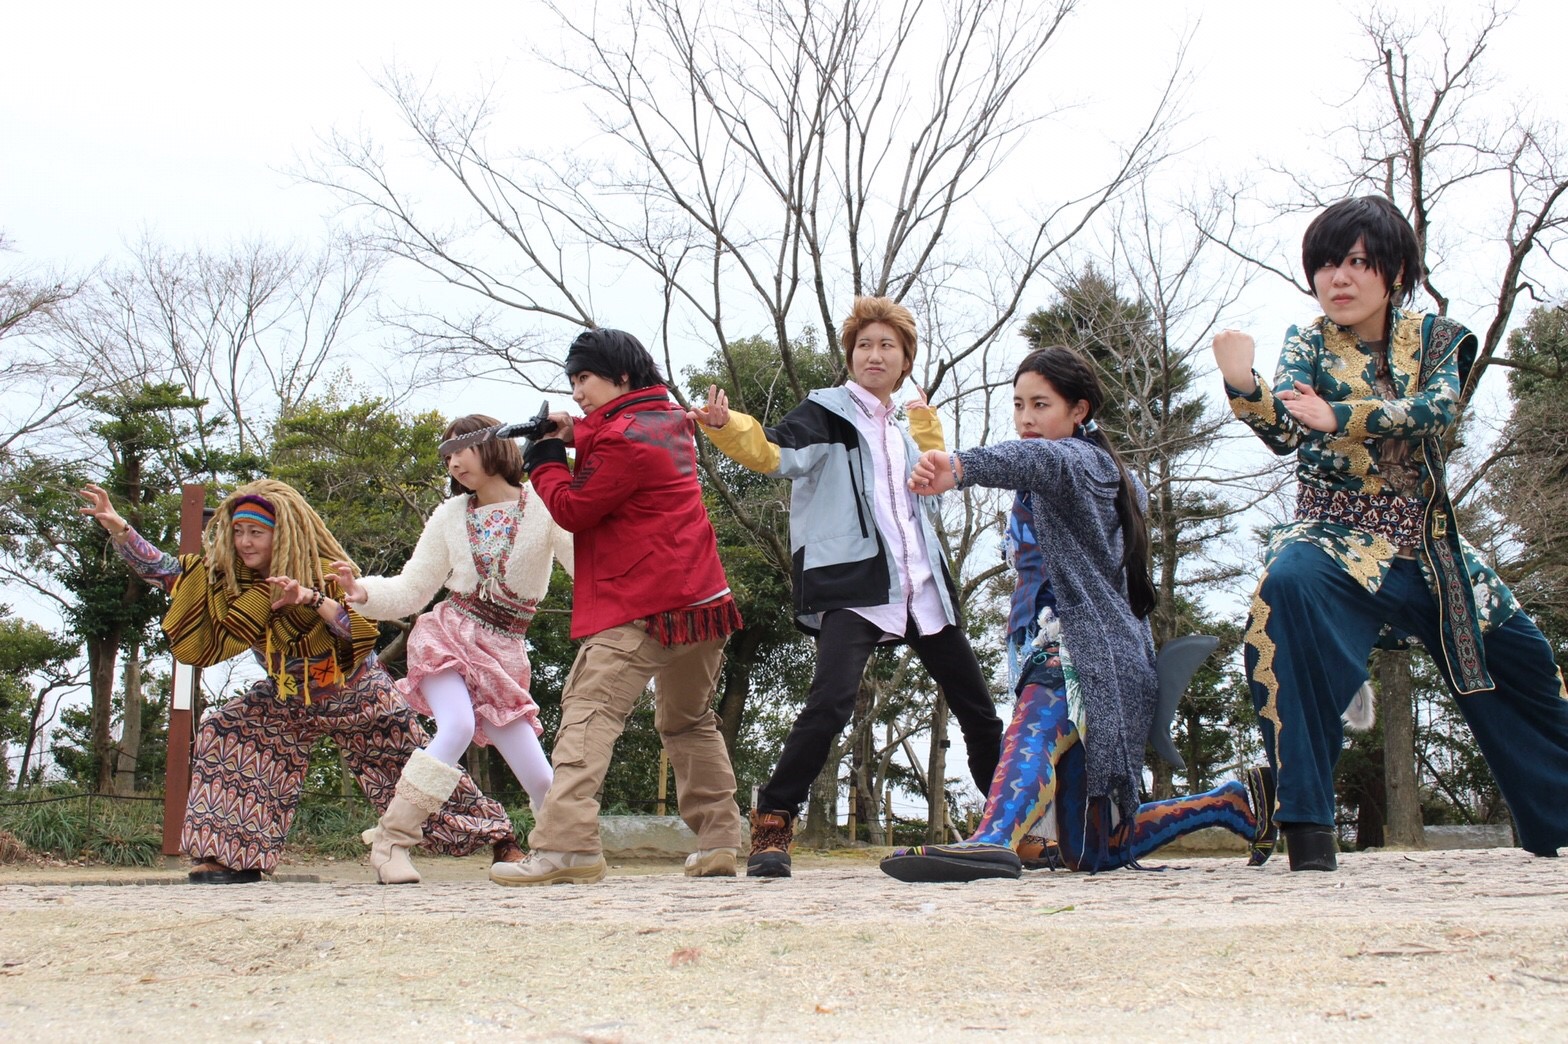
{"points": [[1311, 631]]}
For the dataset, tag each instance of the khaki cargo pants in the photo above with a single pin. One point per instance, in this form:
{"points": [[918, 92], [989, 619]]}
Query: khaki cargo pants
{"points": [[611, 671]]}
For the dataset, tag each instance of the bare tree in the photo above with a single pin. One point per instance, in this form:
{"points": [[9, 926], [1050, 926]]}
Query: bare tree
{"points": [[252, 329], [37, 388]]}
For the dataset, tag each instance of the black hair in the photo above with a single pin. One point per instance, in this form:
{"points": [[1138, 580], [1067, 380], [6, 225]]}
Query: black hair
{"points": [[614, 355], [1387, 237], [1075, 381]]}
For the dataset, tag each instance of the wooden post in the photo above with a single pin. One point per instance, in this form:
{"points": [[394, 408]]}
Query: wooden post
{"points": [[182, 702], [664, 781]]}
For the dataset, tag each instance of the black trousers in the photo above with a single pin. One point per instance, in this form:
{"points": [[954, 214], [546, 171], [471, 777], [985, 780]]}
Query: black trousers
{"points": [[844, 645]]}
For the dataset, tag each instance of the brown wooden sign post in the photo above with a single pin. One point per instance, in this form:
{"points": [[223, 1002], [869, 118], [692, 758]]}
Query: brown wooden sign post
{"points": [[182, 703]]}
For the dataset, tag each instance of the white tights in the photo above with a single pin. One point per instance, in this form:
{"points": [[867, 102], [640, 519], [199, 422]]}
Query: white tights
{"points": [[453, 709]]}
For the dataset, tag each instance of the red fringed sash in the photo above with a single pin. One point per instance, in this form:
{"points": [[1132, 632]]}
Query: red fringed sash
{"points": [[696, 623]]}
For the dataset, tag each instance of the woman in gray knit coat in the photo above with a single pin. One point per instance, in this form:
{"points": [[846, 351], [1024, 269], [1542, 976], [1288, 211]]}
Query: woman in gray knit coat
{"points": [[1079, 631]]}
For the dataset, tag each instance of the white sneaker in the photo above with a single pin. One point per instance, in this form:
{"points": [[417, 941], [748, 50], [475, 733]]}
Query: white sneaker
{"points": [[540, 867], [711, 862]]}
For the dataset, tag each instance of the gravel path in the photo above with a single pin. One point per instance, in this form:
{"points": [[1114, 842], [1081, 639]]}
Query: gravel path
{"points": [[1457, 945]]}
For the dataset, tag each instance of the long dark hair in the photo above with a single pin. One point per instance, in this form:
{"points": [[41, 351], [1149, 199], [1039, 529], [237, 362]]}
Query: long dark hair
{"points": [[1075, 380]]}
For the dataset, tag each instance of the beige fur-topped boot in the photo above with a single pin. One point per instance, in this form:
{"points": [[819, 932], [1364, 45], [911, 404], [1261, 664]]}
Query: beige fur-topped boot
{"points": [[422, 789]]}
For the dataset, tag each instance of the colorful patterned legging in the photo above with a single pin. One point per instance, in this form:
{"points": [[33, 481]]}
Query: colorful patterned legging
{"points": [[1042, 772], [253, 752]]}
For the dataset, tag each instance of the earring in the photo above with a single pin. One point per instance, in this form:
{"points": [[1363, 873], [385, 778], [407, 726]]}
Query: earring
{"points": [[1398, 286]]}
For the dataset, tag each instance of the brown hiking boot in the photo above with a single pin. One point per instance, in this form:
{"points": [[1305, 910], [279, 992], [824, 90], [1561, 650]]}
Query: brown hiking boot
{"points": [[771, 835]]}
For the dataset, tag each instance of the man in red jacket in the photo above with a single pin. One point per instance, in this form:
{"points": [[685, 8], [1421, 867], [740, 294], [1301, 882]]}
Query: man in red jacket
{"points": [[650, 600]]}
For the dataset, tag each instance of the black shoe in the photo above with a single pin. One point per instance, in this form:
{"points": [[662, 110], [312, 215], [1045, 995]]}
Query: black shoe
{"points": [[772, 834], [224, 875], [952, 863], [1260, 795], [768, 864], [1310, 846]]}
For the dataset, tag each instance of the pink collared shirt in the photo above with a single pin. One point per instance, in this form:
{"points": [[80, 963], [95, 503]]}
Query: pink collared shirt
{"points": [[894, 510]]}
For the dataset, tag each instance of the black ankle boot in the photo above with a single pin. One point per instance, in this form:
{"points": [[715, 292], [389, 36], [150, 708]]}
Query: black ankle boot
{"points": [[1310, 846]]}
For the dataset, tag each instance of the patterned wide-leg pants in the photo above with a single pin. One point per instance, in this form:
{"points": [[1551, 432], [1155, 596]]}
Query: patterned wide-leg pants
{"points": [[252, 754]]}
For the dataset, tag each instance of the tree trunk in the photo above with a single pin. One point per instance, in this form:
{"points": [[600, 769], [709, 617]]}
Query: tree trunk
{"points": [[936, 776], [1164, 785], [33, 729], [1370, 817], [102, 652], [481, 768], [130, 746], [739, 657], [822, 804], [1396, 709], [861, 756]]}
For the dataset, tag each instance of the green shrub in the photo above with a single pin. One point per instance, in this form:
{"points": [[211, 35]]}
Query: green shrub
{"points": [[58, 828], [330, 826], [120, 833], [129, 834]]}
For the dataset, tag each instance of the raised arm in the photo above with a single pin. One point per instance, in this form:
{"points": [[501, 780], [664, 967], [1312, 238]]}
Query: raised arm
{"points": [[389, 597], [737, 435], [1254, 403], [154, 566], [925, 427]]}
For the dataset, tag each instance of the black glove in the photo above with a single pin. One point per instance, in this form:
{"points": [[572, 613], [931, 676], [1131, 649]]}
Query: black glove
{"points": [[544, 451]]}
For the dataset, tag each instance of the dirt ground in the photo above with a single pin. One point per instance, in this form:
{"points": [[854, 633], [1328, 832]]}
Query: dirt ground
{"points": [[1468, 945]]}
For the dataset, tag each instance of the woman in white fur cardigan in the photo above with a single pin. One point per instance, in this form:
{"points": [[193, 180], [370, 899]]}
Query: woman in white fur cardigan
{"points": [[490, 546]]}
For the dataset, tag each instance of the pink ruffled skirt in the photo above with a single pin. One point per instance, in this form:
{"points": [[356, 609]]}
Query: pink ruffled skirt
{"points": [[493, 664]]}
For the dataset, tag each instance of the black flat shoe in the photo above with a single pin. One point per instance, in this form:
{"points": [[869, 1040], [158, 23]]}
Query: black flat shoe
{"points": [[1310, 846], [225, 876], [952, 863]]}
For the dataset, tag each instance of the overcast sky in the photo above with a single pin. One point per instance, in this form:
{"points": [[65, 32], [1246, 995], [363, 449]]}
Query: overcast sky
{"points": [[183, 119]]}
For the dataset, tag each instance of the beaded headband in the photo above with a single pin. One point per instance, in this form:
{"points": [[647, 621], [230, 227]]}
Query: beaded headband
{"points": [[458, 443]]}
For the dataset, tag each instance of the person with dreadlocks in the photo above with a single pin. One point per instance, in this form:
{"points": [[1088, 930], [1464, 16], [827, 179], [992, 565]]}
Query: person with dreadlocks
{"points": [[490, 545], [263, 584], [1079, 630]]}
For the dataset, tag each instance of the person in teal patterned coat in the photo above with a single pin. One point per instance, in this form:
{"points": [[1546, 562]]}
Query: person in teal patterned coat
{"points": [[1365, 395]]}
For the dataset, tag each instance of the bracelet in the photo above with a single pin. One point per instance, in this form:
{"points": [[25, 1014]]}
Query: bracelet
{"points": [[952, 464], [316, 602]]}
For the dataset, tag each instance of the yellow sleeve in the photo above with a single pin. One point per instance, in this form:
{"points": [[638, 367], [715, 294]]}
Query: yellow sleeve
{"points": [[925, 427], [743, 441]]}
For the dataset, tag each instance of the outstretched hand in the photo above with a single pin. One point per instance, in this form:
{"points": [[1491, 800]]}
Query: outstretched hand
{"points": [[716, 413], [99, 508], [353, 590], [918, 402], [288, 591], [933, 474], [1310, 409]]}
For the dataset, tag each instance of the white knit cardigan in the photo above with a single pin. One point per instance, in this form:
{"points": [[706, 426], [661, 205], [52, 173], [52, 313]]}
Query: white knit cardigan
{"points": [[443, 558]]}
